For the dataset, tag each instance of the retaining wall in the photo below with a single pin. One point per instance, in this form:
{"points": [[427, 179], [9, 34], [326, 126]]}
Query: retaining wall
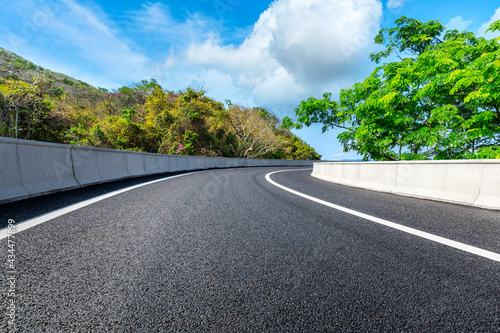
{"points": [[33, 168], [468, 182]]}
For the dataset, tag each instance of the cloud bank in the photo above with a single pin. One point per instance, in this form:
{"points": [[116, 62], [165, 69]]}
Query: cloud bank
{"points": [[486, 25], [295, 47], [458, 23], [391, 4]]}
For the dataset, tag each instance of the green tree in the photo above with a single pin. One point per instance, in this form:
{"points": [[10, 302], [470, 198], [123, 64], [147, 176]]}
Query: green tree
{"points": [[25, 110], [441, 100]]}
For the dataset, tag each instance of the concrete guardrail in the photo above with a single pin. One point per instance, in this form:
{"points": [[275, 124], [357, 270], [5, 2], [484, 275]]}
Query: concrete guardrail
{"points": [[33, 168], [469, 182]]}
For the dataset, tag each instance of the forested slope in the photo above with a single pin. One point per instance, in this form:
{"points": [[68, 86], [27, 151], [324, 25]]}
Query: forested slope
{"points": [[38, 104]]}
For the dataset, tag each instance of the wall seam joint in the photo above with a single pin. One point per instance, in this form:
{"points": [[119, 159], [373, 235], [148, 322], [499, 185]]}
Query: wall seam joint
{"points": [[73, 165], [19, 170], [481, 183]]}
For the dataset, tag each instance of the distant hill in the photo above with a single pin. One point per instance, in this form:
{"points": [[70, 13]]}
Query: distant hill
{"points": [[15, 67], [39, 104]]}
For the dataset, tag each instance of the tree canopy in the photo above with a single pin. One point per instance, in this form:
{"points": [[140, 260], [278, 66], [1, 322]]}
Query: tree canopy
{"points": [[440, 100]]}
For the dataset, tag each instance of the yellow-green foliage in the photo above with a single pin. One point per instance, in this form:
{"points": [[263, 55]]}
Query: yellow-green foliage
{"points": [[27, 110], [142, 117]]}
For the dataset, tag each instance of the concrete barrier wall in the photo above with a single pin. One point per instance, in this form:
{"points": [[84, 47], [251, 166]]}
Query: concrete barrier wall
{"points": [[10, 178], [211, 162], [135, 164], [154, 164], [85, 166], [489, 190], [112, 164], [468, 182], [45, 166], [32, 168]]}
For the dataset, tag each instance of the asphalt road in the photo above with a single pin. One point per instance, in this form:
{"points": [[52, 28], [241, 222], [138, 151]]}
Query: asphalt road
{"points": [[226, 251]]}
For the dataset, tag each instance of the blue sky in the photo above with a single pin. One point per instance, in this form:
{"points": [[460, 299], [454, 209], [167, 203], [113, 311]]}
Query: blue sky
{"points": [[254, 52]]}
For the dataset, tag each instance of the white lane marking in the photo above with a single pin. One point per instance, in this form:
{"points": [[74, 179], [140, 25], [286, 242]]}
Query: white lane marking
{"points": [[21, 226], [457, 245]]}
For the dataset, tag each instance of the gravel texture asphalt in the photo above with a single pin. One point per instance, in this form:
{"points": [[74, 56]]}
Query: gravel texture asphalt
{"points": [[225, 251]]}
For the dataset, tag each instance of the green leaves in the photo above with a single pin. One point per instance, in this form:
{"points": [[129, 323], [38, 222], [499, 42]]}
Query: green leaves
{"points": [[441, 102], [495, 26], [410, 37], [313, 111]]}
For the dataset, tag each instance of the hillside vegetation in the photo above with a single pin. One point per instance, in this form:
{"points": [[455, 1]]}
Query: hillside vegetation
{"points": [[38, 104]]}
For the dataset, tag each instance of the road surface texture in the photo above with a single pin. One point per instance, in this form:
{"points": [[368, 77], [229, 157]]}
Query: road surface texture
{"points": [[227, 251]]}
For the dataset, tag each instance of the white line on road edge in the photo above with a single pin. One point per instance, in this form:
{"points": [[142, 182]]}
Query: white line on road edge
{"points": [[457, 245], [21, 226]]}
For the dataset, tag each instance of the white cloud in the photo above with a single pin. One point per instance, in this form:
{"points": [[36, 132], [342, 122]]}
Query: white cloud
{"points": [[153, 16], [296, 46], [395, 3], [486, 25], [154, 21], [458, 23], [81, 28], [316, 40], [83, 43]]}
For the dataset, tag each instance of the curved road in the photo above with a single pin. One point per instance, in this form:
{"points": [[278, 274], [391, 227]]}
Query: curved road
{"points": [[228, 251]]}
